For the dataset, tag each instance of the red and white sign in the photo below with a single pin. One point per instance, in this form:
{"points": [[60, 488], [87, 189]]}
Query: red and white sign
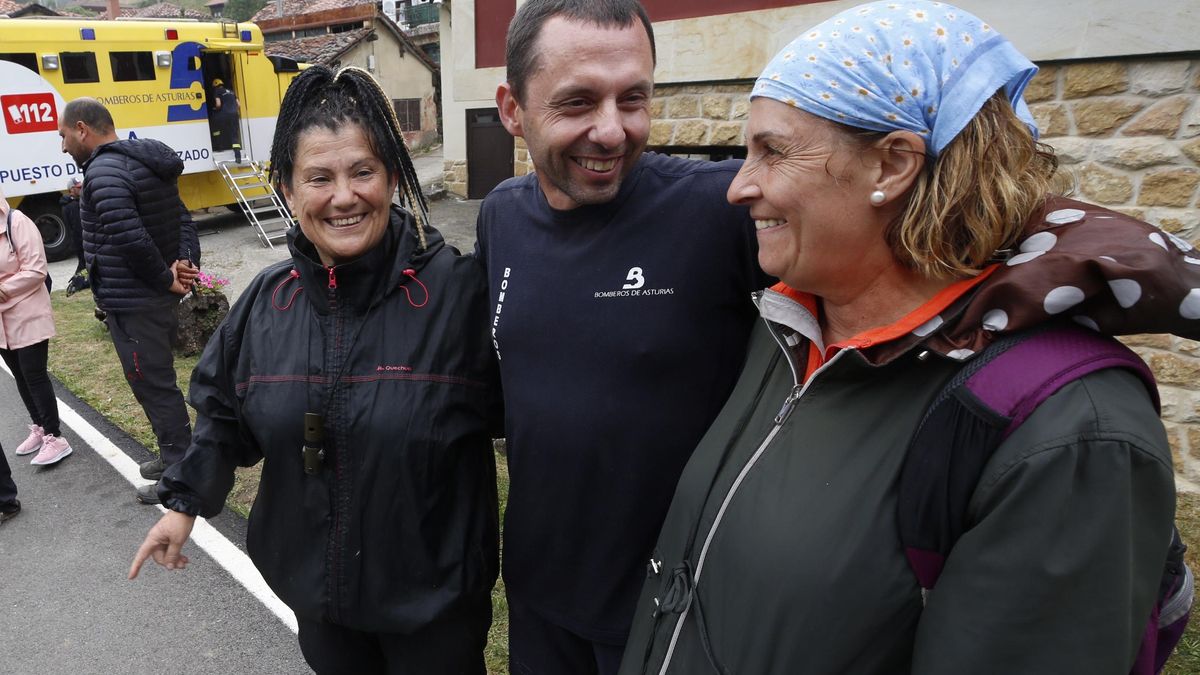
{"points": [[29, 113]]}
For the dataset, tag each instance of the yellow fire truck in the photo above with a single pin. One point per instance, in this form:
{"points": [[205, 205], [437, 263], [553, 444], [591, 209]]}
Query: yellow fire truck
{"points": [[156, 77]]}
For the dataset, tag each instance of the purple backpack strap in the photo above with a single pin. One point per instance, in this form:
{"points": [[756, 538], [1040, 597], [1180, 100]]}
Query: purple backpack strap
{"points": [[1024, 375]]}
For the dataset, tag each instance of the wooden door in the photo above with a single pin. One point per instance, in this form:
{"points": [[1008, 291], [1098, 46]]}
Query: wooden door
{"points": [[489, 152]]}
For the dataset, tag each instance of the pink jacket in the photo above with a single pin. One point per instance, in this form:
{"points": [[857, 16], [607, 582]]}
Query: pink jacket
{"points": [[25, 314]]}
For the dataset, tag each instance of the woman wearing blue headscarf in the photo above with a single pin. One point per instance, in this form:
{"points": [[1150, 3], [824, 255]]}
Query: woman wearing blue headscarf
{"points": [[901, 197]]}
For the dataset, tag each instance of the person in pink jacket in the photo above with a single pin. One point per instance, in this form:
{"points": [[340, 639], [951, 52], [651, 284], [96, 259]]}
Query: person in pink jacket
{"points": [[26, 326]]}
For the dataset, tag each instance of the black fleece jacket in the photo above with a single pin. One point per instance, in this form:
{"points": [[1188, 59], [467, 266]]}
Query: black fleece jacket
{"points": [[398, 526]]}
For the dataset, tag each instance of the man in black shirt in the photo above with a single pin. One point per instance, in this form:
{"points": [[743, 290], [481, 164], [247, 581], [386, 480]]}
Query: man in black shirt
{"points": [[620, 285]]}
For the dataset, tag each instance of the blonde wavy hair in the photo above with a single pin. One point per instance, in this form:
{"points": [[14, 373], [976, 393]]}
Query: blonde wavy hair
{"points": [[975, 198]]}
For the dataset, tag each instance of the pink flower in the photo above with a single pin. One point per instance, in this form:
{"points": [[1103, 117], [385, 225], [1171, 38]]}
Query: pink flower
{"points": [[207, 284]]}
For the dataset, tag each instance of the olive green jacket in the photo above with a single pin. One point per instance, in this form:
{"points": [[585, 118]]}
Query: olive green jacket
{"points": [[785, 523]]}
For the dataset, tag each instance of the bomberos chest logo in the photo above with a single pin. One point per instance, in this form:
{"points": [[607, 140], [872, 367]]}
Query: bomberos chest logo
{"points": [[634, 287]]}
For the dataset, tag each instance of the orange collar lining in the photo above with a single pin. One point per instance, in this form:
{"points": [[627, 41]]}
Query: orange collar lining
{"points": [[905, 325]]}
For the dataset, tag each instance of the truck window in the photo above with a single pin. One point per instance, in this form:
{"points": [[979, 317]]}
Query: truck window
{"points": [[78, 67], [27, 60], [131, 66]]}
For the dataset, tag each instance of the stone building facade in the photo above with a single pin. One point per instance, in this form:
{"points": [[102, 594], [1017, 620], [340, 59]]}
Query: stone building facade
{"points": [[1128, 134]]}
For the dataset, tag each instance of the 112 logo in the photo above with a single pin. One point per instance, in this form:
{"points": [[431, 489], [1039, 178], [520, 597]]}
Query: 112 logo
{"points": [[29, 113]]}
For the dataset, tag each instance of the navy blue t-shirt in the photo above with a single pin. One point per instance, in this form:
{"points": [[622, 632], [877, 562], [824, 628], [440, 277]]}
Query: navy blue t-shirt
{"points": [[621, 329]]}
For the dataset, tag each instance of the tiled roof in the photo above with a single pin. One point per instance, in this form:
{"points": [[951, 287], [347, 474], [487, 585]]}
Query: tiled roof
{"points": [[323, 49], [101, 5], [162, 10], [28, 9], [298, 7], [166, 10]]}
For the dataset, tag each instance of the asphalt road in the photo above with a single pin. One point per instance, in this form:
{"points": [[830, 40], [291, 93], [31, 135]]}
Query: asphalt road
{"points": [[65, 605]]}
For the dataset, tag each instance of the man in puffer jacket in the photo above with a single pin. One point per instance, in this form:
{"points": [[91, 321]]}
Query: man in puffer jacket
{"points": [[142, 254]]}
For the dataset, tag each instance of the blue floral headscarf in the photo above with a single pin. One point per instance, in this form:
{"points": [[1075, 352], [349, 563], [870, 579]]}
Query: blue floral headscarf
{"points": [[925, 67]]}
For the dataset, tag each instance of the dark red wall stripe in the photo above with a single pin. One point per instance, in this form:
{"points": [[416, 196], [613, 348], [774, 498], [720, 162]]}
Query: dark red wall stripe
{"points": [[491, 25], [492, 17]]}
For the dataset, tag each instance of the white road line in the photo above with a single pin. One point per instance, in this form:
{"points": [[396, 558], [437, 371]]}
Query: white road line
{"points": [[204, 535]]}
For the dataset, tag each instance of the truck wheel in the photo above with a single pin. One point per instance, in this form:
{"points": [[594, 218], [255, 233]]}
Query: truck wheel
{"points": [[46, 214]]}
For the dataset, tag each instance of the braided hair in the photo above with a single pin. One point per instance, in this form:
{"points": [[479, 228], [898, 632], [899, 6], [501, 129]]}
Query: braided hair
{"points": [[320, 98]]}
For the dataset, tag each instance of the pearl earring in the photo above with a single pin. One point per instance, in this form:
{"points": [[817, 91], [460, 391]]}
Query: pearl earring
{"points": [[878, 197]]}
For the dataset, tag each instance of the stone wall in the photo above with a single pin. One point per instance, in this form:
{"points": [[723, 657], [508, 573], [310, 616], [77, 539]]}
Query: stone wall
{"points": [[699, 115], [522, 163], [454, 176], [1128, 133]]}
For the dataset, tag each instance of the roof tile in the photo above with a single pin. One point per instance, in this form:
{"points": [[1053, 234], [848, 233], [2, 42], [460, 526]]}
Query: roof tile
{"points": [[161, 10], [323, 49], [300, 7]]}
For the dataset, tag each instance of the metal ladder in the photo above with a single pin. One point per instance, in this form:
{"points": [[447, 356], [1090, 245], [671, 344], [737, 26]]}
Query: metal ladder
{"points": [[267, 213]]}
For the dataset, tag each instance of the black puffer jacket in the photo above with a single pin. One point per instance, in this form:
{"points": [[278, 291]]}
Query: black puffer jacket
{"points": [[399, 525], [134, 224]]}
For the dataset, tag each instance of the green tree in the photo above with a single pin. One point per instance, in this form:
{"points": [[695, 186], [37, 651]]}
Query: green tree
{"points": [[242, 10]]}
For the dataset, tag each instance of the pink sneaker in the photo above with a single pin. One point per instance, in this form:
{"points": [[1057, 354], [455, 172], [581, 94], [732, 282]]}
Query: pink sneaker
{"points": [[54, 448], [33, 443]]}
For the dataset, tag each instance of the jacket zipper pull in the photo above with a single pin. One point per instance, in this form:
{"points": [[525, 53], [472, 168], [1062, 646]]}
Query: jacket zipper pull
{"points": [[332, 278], [788, 404], [654, 568]]}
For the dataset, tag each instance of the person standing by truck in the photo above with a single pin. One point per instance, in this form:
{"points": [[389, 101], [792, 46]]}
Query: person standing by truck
{"points": [[70, 212], [142, 255], [226, 114]]}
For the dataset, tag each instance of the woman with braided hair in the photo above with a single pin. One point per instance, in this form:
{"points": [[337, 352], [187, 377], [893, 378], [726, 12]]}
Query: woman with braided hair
{"points": [[360, 374]]}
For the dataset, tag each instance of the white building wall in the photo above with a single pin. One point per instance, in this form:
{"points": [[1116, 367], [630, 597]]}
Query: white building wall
{"points": [[463, 87]]}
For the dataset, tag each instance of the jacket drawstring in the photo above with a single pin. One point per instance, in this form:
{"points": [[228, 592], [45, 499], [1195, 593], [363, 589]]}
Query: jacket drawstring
{"points": [[291, 275], [412, 274]]}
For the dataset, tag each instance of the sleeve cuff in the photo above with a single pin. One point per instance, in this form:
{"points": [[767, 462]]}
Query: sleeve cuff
{"points": [[180, 504]]}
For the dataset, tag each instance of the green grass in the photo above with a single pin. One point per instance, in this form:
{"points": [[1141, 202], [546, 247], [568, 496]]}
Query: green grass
{"points": [[83, 359], [496, 653], [1186, 660]]}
